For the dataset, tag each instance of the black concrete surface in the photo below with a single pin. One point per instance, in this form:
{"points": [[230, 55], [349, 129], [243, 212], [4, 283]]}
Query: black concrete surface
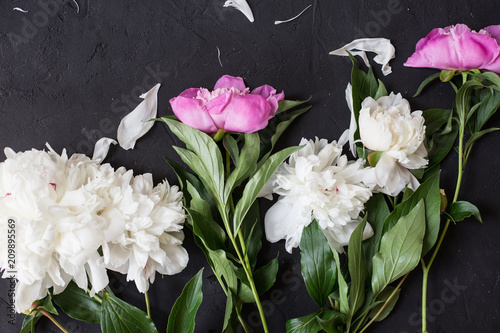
{"points": [[67, 77]]}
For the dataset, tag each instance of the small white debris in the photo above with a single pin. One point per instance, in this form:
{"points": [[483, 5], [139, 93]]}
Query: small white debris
{"points": [[218, 56], [293, 18], [20, 9]]}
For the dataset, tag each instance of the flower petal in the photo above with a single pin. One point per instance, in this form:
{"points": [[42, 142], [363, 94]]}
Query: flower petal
{"points": [[101, 148], [381, 46], [457, 47], [191, 112], [352, 126], [242, 6], [247, 114], [136, 124], [228, 82], [285, 221]]}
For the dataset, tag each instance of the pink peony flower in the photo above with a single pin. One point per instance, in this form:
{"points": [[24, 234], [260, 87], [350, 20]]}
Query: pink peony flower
{"points": [[457, 47], [230, 106]]}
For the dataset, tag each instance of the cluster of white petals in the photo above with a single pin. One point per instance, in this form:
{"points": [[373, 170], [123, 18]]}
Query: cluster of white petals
{"points": [[320, 183], [387, 125], [66, 209]]}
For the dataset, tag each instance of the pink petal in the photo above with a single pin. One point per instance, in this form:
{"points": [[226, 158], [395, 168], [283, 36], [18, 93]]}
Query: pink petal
{"points": [[192, 113], [247, 114], [216, 108], [228, 81], [494, 31], [455, 47], [265, 91]]}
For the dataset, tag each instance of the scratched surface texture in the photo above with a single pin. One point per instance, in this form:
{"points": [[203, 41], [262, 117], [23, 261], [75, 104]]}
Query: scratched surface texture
{"points": [[68, 76]]}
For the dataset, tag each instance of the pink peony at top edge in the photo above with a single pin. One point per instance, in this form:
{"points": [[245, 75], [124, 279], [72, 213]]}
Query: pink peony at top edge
{"points": [[459, 47], [230, 106]]}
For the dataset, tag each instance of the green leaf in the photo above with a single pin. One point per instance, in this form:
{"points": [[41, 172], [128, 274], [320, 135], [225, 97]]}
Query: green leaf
{"points": [[78, 304], [306, 324], [256, 183], [381, 91], [435, 119], [381, 299], [357, 270], [460, 210], [489, 79], [197, 202], [377, 211], [447, 74], [440, 145], [374, 157], [29, 323], [271, 133], [232, 147], [286, 105], [477, 136], [47, 305], [228, 312], [209, 232], [490, 103], [182, 316], [400, 249], [317, 264], [118, 316], [343, 288], [223, 268], [264, 279], [247, 163], [331, 321], [429, 191], [251, 231], [204, 156], [426, 82]]}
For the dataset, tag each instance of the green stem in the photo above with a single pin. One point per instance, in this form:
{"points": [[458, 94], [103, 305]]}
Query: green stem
{"points": [[385, 303], [148, 306], [427, 267], [95, 296], [245, 262], [52, 319], [240, 318]]}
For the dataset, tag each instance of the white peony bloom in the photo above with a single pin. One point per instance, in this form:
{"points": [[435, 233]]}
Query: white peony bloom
{"points": [[152, 237], [387, 125], [318, 183], [65, 209], [57, 226]]}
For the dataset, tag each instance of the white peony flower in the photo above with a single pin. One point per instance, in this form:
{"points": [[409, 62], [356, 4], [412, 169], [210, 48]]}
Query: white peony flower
{"points": [[387, 125], [65, 209], [152, 237], [57, 226], [318, 183]]}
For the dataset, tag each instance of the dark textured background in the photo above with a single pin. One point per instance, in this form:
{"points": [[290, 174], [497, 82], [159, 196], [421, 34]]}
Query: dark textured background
{"points": [[67, 78]]}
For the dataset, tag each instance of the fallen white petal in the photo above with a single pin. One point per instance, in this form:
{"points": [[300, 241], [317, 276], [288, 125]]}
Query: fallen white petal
{"points": [[242, 6], [136, 124], [218, 56], [381, 46], [101, 148], [293, 18], [20, 9], [77, 6]]}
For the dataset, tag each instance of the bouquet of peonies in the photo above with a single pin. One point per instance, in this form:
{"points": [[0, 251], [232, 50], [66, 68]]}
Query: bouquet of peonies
{"points": [[362, 223]]}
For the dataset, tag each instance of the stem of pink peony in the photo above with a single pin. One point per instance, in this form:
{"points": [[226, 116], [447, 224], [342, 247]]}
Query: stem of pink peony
{"points": [[245, 262], [427, 267]]}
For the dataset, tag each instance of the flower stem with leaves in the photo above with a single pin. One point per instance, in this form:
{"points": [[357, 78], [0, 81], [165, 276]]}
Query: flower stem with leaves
{"points": [[477, 99]]}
